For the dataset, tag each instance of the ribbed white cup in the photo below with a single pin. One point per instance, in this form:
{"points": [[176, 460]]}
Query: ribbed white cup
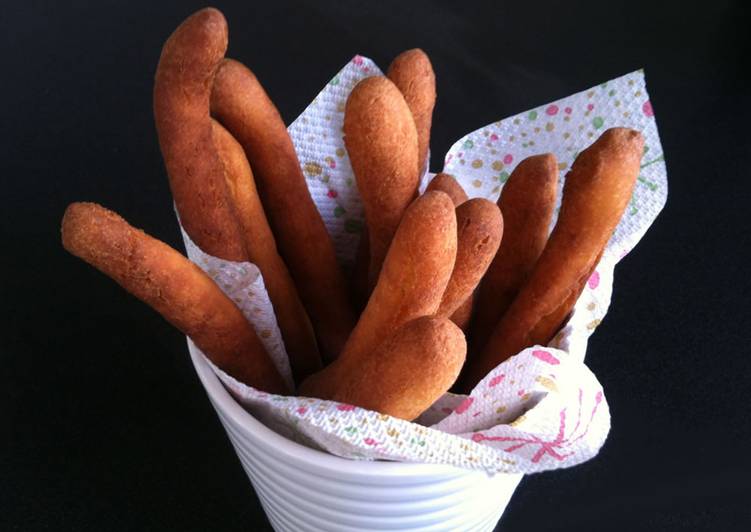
{"points": [[302, 489]]}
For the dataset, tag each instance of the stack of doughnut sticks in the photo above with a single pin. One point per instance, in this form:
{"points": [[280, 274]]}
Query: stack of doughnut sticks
{"points": [[444, 288]]}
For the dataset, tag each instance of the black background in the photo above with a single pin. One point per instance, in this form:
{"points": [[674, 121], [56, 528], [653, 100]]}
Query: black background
{"points": [[103, 423]]}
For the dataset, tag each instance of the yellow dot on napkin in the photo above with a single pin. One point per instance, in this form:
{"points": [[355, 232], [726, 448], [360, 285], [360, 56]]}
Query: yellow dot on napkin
{"points": [[547, 383], [313, 169]]}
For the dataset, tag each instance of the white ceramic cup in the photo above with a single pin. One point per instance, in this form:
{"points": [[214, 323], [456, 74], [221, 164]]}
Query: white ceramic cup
{"points": [[302, 489]]}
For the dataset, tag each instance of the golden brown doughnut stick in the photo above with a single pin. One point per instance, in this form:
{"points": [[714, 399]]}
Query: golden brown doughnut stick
{"points": [[402, 377], [480, 228], [441, 182], [241, 104], [448, 184], [596, 192], [174, 287], [297, 332], [527, 202], [413, 74], [381, 141], [553, 321], [181, 112], [414, 275]]}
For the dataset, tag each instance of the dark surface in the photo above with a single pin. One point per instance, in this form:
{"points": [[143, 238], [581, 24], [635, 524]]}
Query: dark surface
{"points": [[103, 423]]}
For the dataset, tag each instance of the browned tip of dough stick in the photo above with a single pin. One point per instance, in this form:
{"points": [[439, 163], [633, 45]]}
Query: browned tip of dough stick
{"points": [[527, 202], [413, 74], [241, 104], [381, 141], [173, 286], [414, 275], [480, 228], [297, 332], [403, 376], [448, 184], [181, 111], [596, 192]]}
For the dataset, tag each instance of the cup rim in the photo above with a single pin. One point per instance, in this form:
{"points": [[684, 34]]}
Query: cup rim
{"points": [[223, 401]]}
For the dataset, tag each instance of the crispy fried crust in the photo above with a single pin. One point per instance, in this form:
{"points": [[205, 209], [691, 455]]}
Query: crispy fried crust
{"points": [[413, 74], [241, 104], [448, 184], [403, 377], [480, 228], [595, 195], [414, 275], [181, 112], [527, 202], [173, 286], [297, 332], [381, 141]]}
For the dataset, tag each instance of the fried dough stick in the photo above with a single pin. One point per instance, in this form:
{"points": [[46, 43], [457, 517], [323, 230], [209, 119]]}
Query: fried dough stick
{"points": [[381, 141], [403, 377], [173, 286], [527, 202], [414, 275], [182, 87], [413, 74], [596, 192], [480, 228], [297, 332], [241, 105]]}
